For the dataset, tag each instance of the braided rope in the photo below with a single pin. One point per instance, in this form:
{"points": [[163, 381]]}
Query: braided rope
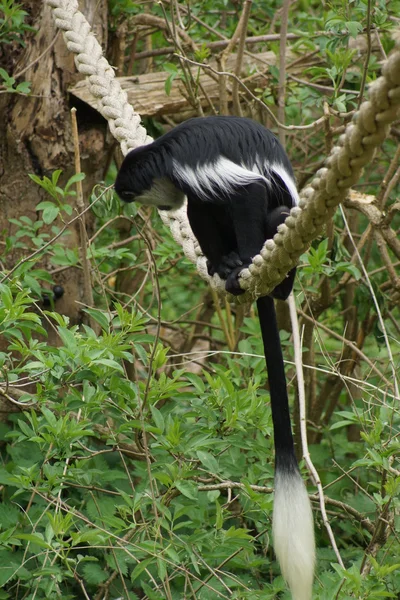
{"points": [[113, 102], [318, 200], [330, 186]]}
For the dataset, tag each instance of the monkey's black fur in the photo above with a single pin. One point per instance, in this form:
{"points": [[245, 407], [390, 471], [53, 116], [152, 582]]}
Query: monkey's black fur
{"points": [[239, 185], [231, 214]]}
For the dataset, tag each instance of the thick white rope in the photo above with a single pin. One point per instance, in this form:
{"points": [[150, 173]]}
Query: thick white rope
{"points": [[113, 102], [331, 184], [317, 202]]}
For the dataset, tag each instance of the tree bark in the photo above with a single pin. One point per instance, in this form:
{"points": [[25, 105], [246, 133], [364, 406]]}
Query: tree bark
{"points": [[36, 136]]}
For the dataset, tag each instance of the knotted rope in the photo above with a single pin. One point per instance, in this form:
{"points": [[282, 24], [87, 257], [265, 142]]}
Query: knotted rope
{"points": [[318, 200]]}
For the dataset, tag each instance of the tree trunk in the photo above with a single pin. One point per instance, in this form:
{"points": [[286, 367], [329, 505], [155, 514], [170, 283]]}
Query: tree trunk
{"points": [[36, 137]]}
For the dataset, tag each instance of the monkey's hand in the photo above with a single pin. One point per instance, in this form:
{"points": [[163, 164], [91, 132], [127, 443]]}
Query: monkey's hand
{"points": [[232, 281], [225, 266]]}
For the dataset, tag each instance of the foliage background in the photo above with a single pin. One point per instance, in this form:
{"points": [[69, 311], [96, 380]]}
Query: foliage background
{"points": [[136, 449]]}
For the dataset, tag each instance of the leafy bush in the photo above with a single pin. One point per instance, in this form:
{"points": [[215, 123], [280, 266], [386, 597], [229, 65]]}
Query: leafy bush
{"points": [[136, 450]]}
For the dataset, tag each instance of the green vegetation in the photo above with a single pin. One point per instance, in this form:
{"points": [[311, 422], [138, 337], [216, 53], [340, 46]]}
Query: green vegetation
{"points": [[136, 449]]}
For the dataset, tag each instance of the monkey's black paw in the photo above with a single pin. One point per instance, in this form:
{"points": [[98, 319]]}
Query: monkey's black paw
{"points": [[228, 263], [232, 282], [211, 268], [224, 267]]}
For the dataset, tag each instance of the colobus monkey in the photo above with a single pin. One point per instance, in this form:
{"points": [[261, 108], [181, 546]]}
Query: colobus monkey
{"points": [[240, 186]]}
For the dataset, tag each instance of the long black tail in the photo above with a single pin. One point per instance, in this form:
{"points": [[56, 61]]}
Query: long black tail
{"points": [[293, 529]]}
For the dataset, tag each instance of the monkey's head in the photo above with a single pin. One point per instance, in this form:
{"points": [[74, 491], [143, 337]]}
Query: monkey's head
{"points": [[143, 178]]}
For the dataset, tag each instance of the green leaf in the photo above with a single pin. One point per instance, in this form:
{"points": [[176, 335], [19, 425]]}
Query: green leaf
{"points": [[208, 460], [7, 79], [74, 179], [354, 28], [50, 214], [9, 515], [109, 363], [6, 296], [26, 430], [151, 594], [340, 424], [94, 574], [140, 567], [101, 317], [219, 518], [67, 338], [24, 87], [161, 568], [168, 84], [187, 488], [35, 538], [158, 419], [55, 177], [50, 417]]}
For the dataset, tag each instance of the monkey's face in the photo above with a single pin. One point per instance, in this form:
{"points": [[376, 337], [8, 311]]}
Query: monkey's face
{"points": [[142, 178], [162, 194]]}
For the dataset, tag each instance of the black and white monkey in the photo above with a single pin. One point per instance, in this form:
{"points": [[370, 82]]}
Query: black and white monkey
{"points": [[240, 186]]}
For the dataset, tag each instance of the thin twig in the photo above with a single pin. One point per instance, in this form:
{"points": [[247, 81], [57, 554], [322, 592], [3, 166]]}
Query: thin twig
{"points": [[350, 344], [282, 69], [229, 340], [31, 64], [389, 181], [223, 42], [244, 20], [313, 125], [366, 63], [377, 308], [303, 424]]}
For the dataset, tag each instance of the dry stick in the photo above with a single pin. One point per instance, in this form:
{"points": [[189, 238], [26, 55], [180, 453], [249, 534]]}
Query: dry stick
{"points": [[31, 64], [223, 42], [303, 425], [322, 88], [394, 279], [221, 60], [365, 239], [378, 310], [162, 23], [282, 69], [229, 320], [244, 20], [188, 77], [363, 385], [381, 48], [225, 329], [369, 48], [87, 279], [262, 489], [389, 181]]}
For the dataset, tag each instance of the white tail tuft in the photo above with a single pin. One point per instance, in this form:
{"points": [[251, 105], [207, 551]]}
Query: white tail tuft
{"points": [[293, 532]]}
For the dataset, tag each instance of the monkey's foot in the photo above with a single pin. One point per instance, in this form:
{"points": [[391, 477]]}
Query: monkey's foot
{"points": [[224, 268]]}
